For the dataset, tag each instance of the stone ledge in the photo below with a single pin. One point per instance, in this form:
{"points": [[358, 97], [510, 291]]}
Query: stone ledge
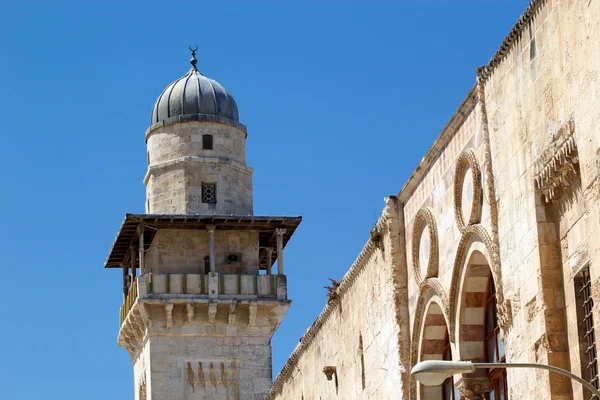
{"points": [[197, 118], [191, 159]]}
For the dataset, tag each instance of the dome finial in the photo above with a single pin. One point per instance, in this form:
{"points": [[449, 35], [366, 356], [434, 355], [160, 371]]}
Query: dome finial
{"points": [[193, 60]]}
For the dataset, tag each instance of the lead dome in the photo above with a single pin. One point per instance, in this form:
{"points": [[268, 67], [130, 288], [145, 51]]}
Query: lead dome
{"points": [[194, 96]]}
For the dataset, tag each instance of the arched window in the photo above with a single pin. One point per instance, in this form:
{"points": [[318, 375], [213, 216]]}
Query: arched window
{"points": [[206, 265], [494, 347]]}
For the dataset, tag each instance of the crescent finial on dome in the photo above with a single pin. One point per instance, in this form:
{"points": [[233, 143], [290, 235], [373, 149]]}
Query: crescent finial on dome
{"points": [[193, 60]]}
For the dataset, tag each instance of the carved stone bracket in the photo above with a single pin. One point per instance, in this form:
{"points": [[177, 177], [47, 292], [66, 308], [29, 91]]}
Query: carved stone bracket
{"points": [[424, 219], [212, 312], [133, 330], [232, 312], [169, 313], [555, 168], [504, 316], [252, 316], [329, 371], [190, 312], [474, 388]]}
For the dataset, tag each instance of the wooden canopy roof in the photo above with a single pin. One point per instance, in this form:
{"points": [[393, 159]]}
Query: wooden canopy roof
{"points": [[128, 234]]}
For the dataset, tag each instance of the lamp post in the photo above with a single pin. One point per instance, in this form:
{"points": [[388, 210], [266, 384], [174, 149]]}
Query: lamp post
{"points": [[435, 372]]}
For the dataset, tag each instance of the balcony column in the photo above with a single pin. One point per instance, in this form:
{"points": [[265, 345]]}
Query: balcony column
{"points": [[211, 245], [125, 277], [280, 232], [141, 249], [269, 251], [133, 269]]}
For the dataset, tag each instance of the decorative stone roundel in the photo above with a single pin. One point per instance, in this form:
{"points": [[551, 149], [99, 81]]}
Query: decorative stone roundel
{"points": [[467, 190], [424, 246]]}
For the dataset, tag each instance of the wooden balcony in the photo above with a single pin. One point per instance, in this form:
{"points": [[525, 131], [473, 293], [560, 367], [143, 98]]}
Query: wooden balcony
{"points": [[212, 286]]}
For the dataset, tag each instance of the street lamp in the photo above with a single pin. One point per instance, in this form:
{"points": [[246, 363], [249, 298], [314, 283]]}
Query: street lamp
{"points": [[435, 372]]}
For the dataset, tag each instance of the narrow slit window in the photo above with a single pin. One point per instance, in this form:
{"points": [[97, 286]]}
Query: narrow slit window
{"points": [[209, 193], [363, 378], [207, 142]]}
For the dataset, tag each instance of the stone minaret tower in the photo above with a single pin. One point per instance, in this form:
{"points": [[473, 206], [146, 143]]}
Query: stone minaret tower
{"points": [[200, 303]]}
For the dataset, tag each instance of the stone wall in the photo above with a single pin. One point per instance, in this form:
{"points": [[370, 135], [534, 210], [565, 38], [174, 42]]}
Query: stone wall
{"points": [[354, 340], [507, 197], [541, 95], [220, 368], [168, 142], [198, 350], [141, 375], [178, 166], [182, 251]]}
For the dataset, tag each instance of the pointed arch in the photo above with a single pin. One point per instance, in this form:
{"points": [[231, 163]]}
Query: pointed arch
{"points": [[474, 297], [431, 291], [475, 238]]}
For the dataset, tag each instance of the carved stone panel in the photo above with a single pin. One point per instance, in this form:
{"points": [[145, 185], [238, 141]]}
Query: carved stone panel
{"points": [[212, 379], [556, 168]]}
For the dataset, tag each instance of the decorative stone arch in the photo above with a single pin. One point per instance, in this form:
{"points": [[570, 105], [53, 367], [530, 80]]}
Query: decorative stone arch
{"points": [[475, 238], [470, 278], [425, 220], [466, 161], [431, 292]]}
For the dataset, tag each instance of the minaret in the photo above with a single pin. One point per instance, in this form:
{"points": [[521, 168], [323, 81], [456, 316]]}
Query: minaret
{"points": [[200, 302]]}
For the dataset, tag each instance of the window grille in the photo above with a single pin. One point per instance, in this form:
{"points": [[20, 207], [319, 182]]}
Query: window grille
{"points": [[209, 192], [589, 357]]}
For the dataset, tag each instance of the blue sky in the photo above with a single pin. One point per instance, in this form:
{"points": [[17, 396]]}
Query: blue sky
{"points": [[341, 98]]}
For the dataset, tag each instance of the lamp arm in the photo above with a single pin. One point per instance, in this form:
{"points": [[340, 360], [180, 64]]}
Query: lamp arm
{"points": [[552, 368]]}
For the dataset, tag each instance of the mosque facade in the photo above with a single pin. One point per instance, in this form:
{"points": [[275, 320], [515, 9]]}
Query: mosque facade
{"points": [[490, 252]]}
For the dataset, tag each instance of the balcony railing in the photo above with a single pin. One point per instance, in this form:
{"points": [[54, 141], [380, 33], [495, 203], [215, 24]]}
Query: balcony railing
{"points": [[209, 286], [128, 301]]}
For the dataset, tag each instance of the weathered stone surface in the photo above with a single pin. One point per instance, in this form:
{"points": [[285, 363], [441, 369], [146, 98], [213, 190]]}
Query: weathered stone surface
{"points": [[513, 187], [178, 165]]}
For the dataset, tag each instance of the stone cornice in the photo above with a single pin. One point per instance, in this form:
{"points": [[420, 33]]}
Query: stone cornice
{"points": [[196, 118], [345, 284], [190, 159], [513, 36], [555, 167]]}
